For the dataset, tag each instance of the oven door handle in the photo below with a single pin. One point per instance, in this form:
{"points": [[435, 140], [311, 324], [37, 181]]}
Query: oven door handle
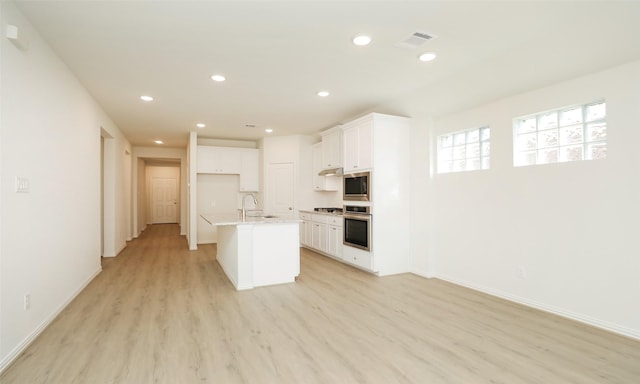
{"points": [[357, 216]]}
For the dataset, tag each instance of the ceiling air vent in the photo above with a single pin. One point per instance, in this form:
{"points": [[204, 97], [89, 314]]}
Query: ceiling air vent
{"points": [[416, 39]]}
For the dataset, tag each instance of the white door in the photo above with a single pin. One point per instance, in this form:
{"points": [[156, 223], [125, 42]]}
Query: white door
{"points": [[164, 200], [280, 189]]}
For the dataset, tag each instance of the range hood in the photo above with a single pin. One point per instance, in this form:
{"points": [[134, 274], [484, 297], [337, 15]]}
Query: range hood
{"points": [[331, 172]]}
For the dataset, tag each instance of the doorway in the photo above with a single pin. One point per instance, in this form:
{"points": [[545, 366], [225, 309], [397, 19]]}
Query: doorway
{"points": [[159, 191], [164, 200], [107, 194], [281, 189]]}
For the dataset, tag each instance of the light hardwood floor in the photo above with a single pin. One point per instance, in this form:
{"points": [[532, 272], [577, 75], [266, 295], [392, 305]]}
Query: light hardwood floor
{"points": [[159, 313]]}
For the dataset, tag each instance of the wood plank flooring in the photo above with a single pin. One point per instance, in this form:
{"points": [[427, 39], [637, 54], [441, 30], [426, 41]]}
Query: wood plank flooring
{"points": [[159, 313]]}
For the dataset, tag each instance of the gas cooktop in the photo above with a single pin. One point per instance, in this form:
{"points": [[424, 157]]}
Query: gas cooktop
{"points": [[328, 210]]}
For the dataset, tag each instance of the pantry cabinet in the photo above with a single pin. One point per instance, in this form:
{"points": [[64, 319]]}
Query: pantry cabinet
{"points": [[380, 144]]}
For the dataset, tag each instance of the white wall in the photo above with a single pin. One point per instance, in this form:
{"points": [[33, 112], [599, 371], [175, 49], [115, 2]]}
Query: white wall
{"points": [[571, 226], [217, 195], [50, 131], [422, 221]]}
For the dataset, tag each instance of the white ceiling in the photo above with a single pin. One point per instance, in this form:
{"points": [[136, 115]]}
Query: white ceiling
{"points": [[277, 55]]}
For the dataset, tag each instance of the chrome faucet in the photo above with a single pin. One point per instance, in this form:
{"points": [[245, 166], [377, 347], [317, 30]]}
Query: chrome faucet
{"points": [[244, 211]]}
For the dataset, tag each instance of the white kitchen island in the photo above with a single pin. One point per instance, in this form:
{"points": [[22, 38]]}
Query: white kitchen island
{"points": [[258, 251]]}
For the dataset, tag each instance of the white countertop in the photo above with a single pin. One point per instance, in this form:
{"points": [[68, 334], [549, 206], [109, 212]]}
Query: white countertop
{"points": [[232, 219]]}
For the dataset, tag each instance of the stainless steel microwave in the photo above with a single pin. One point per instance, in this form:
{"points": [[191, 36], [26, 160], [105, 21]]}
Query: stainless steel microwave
{"points": [[357, 186]]}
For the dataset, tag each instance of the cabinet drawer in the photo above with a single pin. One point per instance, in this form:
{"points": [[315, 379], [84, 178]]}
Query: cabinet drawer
{"points": [[358, 257], [337, 221], [305, 216], [320, 219]]}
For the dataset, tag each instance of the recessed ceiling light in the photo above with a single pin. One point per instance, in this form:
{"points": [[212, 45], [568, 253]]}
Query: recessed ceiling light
{"points": [[158, 141], [268, 130], [200, 125], [361, 40], [218, 78], [427, 56], [323, 93], [146, 98]]}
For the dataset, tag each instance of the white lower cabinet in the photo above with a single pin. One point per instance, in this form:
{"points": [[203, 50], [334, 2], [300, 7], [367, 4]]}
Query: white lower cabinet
{"points": [[322, 233], [305, 229], [358, 257], [319, 236], [334, 236]]}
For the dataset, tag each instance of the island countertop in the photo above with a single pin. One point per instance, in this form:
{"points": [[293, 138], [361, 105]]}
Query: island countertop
{"points": [[231, 219]]}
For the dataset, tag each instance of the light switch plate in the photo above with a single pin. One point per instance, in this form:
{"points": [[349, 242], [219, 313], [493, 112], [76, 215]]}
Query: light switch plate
{"points": [[22, 185]]}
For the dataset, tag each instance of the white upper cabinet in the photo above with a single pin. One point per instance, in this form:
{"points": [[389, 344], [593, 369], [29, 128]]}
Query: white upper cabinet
{"points": [[221, 160], [358, 145], [322, 183], [231, 161], [250, 170], [332, 148]]}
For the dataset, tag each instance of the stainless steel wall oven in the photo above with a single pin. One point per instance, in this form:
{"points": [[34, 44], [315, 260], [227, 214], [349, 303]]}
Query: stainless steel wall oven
{"points": [[357, 227]]}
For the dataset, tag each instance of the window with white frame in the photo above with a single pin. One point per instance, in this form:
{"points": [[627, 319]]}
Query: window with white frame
{"points": [[567, 134], [466, 150]]}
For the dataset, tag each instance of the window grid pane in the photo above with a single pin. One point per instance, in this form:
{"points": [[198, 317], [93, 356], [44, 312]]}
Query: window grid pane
{"points": [[466, 150], [567, 134]]}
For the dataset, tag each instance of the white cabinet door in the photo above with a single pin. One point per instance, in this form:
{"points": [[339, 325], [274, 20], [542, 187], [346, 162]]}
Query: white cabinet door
{"points": [[332, 149], [305, 229], [319, 236], [334, 241], [219, 160], [358, 142], [250, 170], [305, 233], [350, 140], [322, 183], [365, 146]]}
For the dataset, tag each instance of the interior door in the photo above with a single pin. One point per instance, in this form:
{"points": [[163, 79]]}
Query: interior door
{"points": [[280, 189], [164, 200]]}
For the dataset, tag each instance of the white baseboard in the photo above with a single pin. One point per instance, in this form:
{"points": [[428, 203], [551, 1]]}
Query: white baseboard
{"points": [[611, 327], [422, 273], [15, 353]]}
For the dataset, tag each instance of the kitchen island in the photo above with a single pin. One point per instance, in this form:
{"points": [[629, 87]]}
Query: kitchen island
{"points": [[257, 251]]}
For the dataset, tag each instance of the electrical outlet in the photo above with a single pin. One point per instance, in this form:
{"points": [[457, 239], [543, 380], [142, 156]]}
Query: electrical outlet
{"points": [[27, 301]]}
